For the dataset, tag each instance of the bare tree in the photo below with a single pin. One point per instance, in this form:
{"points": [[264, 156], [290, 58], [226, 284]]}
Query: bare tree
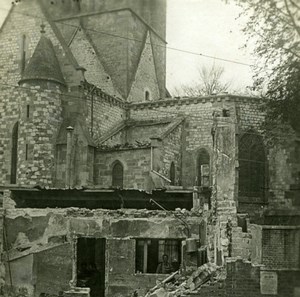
{"points": [[274, 26], [209, 82]]}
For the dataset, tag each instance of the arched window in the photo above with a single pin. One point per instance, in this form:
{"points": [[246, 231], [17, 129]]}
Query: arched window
{"points": [[117, 175], [203, 168], [252, 162], [14, 154], [147, 96], [172, 173]]}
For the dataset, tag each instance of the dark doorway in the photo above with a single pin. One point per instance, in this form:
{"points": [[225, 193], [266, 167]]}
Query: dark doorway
{"points": [[91, 265]]}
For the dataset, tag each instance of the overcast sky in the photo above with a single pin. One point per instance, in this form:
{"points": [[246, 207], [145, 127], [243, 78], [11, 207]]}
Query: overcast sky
{"points": [[202, 26]]}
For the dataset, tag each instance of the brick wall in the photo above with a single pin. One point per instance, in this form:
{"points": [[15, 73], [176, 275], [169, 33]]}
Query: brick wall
{"points": [[243, 279], [280, 248], [246, 280]]}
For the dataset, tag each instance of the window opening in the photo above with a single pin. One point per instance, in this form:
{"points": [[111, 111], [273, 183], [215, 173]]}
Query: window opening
{"points": [[27, 111], [172, 173], [117, 175], [147, 96], [158, 255], [23, 53], [251, 165], [26, 151], [203, 168], [14, 154]]}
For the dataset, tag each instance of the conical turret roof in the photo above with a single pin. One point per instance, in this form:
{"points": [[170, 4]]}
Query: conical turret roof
{"points": [[43, 64]]}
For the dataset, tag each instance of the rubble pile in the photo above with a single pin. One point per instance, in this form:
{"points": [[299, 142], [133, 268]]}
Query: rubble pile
{"points": [[180, 285]]}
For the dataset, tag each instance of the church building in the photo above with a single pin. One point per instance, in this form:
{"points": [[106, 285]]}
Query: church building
{"points": [[102, 172]]}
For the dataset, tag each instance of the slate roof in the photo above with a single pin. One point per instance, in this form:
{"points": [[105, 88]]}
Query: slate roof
{"points": [[43, 64], [140, 133]]}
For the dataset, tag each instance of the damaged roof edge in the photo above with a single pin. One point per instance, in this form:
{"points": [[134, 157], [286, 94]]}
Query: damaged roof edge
{"points": [[37, 188]]}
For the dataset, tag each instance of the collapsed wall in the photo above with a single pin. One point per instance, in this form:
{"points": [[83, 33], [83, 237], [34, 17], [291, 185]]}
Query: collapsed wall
{"points": [[41, 247]]}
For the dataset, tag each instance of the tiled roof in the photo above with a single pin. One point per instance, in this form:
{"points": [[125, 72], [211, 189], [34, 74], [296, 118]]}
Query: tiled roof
{"points": [[43, 64]]}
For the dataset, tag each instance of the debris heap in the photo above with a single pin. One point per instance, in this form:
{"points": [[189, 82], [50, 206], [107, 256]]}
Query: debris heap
{"points": [[180, 285]]}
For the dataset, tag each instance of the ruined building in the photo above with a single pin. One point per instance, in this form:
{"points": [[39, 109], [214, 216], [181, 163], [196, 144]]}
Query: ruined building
{"points": [[102, 173]]}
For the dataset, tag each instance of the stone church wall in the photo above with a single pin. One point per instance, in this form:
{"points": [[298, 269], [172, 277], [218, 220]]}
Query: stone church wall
{"points": [[107, 112], [136, 164], [38, 112]]}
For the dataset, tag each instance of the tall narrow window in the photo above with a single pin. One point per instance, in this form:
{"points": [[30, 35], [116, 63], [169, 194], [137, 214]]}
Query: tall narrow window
{"points": [[117, 175], [251, 165], [26, 151], [172, 173], [23, 53], [203, 169], [14, 154], [27, 111], [147, 96]]}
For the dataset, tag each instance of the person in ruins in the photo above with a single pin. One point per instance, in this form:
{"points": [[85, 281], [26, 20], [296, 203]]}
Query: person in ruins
{"points": [[164, 267]]}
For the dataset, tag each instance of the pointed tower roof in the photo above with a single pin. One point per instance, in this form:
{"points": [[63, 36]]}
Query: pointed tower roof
{"points": [[43, 65]]}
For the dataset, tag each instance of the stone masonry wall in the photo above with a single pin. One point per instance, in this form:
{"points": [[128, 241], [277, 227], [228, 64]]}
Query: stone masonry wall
{"points": [[249, 114], [118, 61], [36, 135], [107, 113], [136, 164], [171, 152], [282, 170], [21, 22], [86, 56], [197, 127], [152, 11], [283, 164], [38, 131]]}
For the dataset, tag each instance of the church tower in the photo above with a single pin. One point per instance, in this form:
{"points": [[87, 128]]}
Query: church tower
{"points": [[127, 38], [41, 86]]}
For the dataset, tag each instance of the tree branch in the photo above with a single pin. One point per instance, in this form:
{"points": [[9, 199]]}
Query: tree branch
{"points": [[292, 18]]}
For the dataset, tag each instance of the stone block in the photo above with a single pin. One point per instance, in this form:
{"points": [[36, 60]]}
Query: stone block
{"points": [[77, 292]]}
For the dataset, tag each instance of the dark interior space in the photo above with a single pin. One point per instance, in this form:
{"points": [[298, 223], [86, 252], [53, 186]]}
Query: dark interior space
{"points": [[150, 252], [91, 265], [107, 199]]}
